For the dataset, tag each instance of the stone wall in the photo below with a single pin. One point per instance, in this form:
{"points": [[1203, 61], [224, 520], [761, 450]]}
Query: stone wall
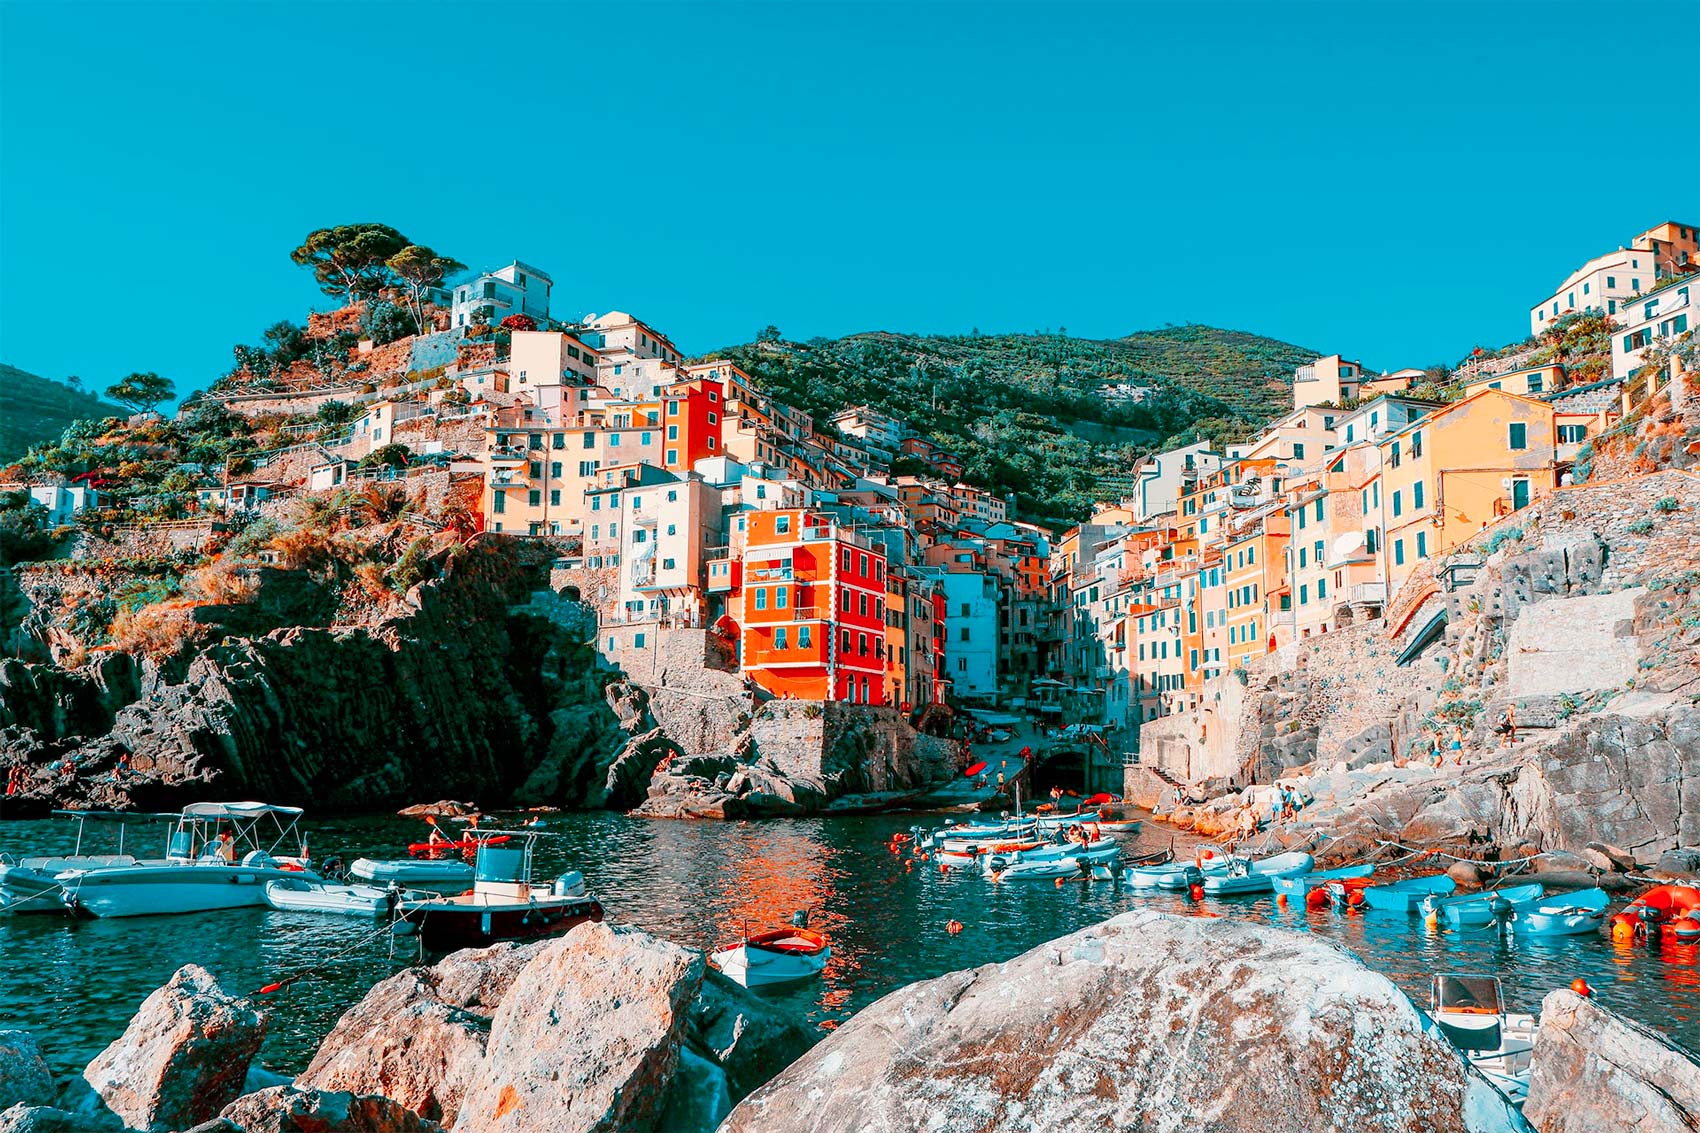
{"points": [[1576, 645]]}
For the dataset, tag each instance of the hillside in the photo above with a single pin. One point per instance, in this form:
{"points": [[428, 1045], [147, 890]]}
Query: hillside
{"points": [[35, 409], [1039, 415]]}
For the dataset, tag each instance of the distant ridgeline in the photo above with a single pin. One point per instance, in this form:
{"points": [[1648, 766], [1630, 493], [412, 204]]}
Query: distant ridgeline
{"points": [[34, 409], [1046, 417]]}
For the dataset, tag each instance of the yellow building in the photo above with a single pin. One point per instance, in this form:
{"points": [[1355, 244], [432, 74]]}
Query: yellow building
{"points": [[1254, 563], [1532, 381], [1455, 471]]}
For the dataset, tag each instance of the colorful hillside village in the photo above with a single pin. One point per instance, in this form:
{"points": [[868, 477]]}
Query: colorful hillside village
{"points": [[677, 494]]}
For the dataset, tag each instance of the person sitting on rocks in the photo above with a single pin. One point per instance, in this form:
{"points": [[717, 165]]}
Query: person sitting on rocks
{"points": [[1506, 729]]}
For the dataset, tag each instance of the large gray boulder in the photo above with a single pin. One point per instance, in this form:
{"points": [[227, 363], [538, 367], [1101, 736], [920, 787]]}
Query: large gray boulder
{"points": [[183, 1057], [587, 1038], [418, 1037], [1594, 1070], [1148, 1021], [24, 1076]]}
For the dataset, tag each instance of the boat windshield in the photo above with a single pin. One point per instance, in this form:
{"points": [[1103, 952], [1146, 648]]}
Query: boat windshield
{"points": [[1468, 995]]}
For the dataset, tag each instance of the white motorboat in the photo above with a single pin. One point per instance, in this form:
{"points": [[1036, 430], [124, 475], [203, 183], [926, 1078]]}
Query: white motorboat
{"points": [[220, 856], [504, 904], [779, 956], [414, 871], [1246, 876], [1067, 861], [1470, 1012], [299, 895], [31, 885]]}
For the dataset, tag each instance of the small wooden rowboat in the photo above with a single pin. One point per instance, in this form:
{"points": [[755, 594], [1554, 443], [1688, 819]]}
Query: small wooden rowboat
{"points": [[778, 956]]}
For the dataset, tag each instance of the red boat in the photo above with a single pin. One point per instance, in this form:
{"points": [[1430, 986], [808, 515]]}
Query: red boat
{"points": [[444, 848], [503, 903]]}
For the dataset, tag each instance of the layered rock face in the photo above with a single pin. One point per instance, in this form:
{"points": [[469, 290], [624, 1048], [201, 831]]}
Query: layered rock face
{"points": [[1594, 1070], [468, 695], [795, 758], [1147, 1021]]}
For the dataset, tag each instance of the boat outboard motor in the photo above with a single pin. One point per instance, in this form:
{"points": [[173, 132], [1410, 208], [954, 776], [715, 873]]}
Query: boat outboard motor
{"points": [[800, 919]]}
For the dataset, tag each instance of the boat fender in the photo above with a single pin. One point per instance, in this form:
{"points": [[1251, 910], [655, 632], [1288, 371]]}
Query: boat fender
{"points": [[1281, 900], [268, 989], [1317, 899], [908, 867], [1580, 987], [1355, 899], [1059, 883], [1628, 928], [1196, 892], [1685, 929], [953, 927]]}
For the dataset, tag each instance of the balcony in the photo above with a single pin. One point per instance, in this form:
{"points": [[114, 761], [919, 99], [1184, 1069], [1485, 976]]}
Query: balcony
{"points": [[1367, 593], [772, 571], [508, 455]]}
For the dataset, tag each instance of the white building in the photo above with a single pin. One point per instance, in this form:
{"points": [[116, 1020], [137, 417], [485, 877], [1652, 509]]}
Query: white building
{"points": [[1157, 479], [669, 526], [882, 435], [63, 501], [1657, 316], [518, 289], [971, 623], [1602, 284]]}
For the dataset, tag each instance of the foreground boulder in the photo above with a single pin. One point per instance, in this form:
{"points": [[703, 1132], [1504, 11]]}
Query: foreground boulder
{"points": [[1594, 1070], [44, 1119], [286, 1109], [587, 1037], [418, 1037], [181, 1060], [1147, 1021], [24, 1077]]}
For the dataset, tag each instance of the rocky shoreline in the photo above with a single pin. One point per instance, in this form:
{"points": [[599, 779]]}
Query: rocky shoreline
{"points": [[1146, 1021]]}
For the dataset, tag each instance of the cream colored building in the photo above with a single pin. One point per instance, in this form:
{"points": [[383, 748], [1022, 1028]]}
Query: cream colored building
{"points": [[1602, 284], [1326, 381], [1661, 316]]}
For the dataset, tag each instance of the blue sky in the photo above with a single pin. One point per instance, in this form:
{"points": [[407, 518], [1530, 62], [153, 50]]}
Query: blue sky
{"points": [[1397, 182]]}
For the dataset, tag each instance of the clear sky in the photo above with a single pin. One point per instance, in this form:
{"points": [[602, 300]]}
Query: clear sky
{"points": [[1396, 182]]}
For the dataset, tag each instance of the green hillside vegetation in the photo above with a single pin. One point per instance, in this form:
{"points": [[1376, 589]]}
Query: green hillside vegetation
{"points": [[1027, 413], [34, 409]]}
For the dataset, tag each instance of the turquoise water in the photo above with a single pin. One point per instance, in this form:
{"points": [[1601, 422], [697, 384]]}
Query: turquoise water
{"points": [[76, 983]]}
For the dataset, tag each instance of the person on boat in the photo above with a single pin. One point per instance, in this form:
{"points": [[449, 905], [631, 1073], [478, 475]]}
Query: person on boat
{"points": [[436, 836], [1000, 779], [226, 848]]}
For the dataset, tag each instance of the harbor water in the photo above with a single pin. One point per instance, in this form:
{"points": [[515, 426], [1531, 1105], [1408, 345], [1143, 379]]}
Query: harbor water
{"points": [[75, 983]]}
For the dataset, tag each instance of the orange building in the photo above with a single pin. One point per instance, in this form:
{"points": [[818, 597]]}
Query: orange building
{"points": [[812, 608]]}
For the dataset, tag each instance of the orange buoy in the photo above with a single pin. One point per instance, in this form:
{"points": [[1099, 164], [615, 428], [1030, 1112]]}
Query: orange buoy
{"points": [[1627, 927], [1059, 883], [1281, 900], [1196, 892], [1685, 929], [1317, 898], [953, 927], [908, 867], [1580, 987]]}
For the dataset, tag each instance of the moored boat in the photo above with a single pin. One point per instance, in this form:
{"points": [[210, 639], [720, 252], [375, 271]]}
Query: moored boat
{"points": [[503, 903], [298, 895], [1243, 876], [1060, 861], [220, 856], [31, 884], [1299, 883], [446, 846], [775, 957], [1566, 914], [411, 871], [1398, 896], [1479, 910], [1469, 1011]]}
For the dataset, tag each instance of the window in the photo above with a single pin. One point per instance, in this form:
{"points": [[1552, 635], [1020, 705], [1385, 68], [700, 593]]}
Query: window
{"points": [[804, 639], [1416, 444], [1611, 281], [1304, 594], [589, 440], [844, 601], [1395, 456], [1518, 437], [1417, 496], [672, 432], [846, 559], [781, 597], [761, 598], [534, 440], [558, 440], [1319, 511], [637, 640], [782, 525], [534, 497], [1321, 589], [499, 502], [862, 605], [962, 634], [644, 438], [586, 468], [862, 644], [779, 638], [1422, 544], [554, 497], [555, 469], [1398, 504], [613, 440], [672, 456], [1298, 450], [1399, 552], [1301, 558], [536, 469], [1372, 540], [640, 536], [1535, 383], [672, 409], [1572, 434], [844, 642]]}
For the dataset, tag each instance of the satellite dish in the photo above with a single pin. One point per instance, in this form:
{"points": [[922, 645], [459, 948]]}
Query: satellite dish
{"points": [[1348, 544]]}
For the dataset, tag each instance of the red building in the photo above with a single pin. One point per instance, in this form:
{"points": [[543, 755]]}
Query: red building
{"points": [[811, 608], [692, 415]]}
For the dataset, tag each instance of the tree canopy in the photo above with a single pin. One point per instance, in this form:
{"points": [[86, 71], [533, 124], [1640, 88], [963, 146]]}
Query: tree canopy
{"points": [[419, 269], [141, 392], [351, 260]]}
